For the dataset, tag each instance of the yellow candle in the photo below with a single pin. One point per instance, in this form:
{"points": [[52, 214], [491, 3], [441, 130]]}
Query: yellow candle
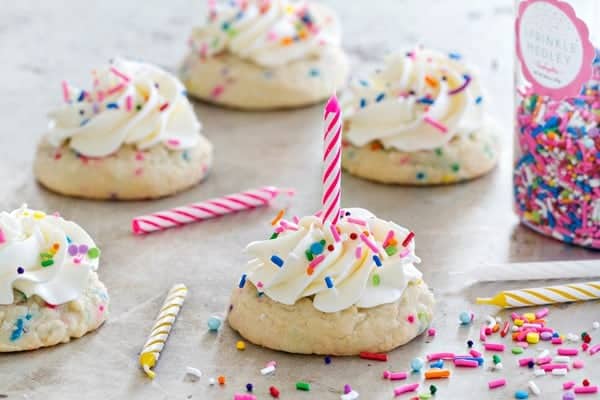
{"points": [[544, 295], [162, 328]]}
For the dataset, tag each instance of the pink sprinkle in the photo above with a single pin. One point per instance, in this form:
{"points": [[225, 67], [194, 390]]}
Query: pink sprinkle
{"points": [[410, 318], [335, 233], [497, 383], [316, 261], [2, 237], [288, 225], [119, 74], [279, 229], [388, 238], [173, 142], [550, 367], [369, 243], [114, 90], [139, 156], [557, 340], [568, 385], [65, 90], [431, 332], [404, 253], [440, 356], [494, 347], [515, 316], [405, 389], [567, 352], [543, 360], [77, 260], [271, 36], [578, 364], [101, 307], [523, 362], [129, 103], [272, 363], [395, 376], [296, 220], [358, 252], [542, 313], [357, 221], [436, 124], [474, 353], [217, 91], [482, 335], [586, 389], [138, 171], [595, 349], [461, 362]]}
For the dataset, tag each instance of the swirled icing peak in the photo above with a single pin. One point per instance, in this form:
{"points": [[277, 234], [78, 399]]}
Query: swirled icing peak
{"points": [[44, 255], [362, 261], [130, 103], [418, 101], [270, 33]]}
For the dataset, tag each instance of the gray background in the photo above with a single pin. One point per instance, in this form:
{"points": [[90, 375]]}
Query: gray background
{"points": [[459, 228]]}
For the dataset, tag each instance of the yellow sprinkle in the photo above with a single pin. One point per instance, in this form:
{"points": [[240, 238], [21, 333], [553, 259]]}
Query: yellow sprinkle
{"points": [[240, 345], [39, 214], [519, 322], [533, 337], [529, 316]]}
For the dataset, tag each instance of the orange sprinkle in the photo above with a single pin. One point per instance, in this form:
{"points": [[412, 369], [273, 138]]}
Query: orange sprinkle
{"points": [[437, 374], [431, 81], [366, 233], [310, 270], [278, 217], [515, 336], [56, 246], [286, 41], [376, 146], [393, 242], [221, 380], [303, 34]]}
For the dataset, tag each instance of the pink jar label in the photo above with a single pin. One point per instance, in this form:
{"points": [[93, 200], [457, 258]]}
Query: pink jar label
{"points": [[553, 48]]}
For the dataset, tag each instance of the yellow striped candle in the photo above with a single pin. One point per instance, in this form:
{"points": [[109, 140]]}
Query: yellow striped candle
{"points": [[544, 295], [162, 328]]}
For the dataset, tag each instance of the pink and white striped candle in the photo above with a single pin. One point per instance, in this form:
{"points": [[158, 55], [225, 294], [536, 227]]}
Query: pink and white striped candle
{"points": [[332, 171], [208, 209]]}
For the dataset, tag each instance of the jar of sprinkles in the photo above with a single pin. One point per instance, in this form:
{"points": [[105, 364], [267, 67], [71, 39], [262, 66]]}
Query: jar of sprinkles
{"points": [[557, 136]]}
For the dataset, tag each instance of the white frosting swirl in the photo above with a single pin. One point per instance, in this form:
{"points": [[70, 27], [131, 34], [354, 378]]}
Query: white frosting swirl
{"points": [[354, 276], [130, 103], [418, 101], [44, 255], [269, 33]]}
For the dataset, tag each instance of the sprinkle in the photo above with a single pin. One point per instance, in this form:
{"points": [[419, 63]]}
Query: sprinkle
{"points": [[431, 81], [373, 356], [408, 239], [314, 72], [585, 389], [119, 74], [436, 124], [267, 370], [406, 389], [466, 317], [368, 242], [327, 360], [377, 261], [376, 280], [221, 379], [301, 385], [335, 233], [217, 91], [494, 346], [214, 323], [193, 372], [358, 252], [410, 319], [379, 97], [567, 352], [329, 282], [440, 356], [534, 388], [316, 248], [363, 103], [277, 260], [357, 221], [163, 107], [417, 364], [93, 253], [65, 91], [497, 383], [314, 263], [461, 87], [242, 281], [273, 391], [47, 263], [437, 374], [278, 217], [521, 394]]}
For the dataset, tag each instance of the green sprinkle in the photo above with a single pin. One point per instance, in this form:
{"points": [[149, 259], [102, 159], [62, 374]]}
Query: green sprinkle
{"points": [[301, 385], [94, 252], [138, 107], [309, 255], [424, 396], [376, 280], [274, 236], [391, 250], [517, 350], [47, 263], [44, 256], [496, 358], [439, 151], [433, 390], [323, 242], [455, 167]]}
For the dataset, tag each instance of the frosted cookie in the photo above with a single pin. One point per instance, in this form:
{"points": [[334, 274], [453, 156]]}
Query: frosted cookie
{"points": [[265, 54], [134, 135], [49, 288], [312, 289], [420, 120]]}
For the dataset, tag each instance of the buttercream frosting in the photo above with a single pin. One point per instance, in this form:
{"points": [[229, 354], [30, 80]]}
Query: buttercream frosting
{"points": [[44, 255], [269, 33], [366, 262], [131, 103], [419, 100]]}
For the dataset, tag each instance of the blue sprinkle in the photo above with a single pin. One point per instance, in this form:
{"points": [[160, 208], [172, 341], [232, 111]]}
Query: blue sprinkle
{"points": [[425, 100], [314, 72], [85, 121], [28, 317], [327, 360], [380, 97], [438, 364], [277, 260], [69, 240], [363, 83], [225, 26], [363, 103], [113, 106], [18, 331], [329, 282], [478, 100], [214, 323], [316, 248], [521, 394], [377, 261], [478, 359], [185, 155], [184, 93], [455, 56], [420, 175], [242, 281], [81, 96]]}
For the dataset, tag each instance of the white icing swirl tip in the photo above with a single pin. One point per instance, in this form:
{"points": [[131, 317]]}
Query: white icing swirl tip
{"points": [[362, 261], [419, 100], [270, 33], [130, 103], [43, 255]]}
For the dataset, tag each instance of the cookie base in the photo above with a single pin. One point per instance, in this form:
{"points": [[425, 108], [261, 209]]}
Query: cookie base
{"points": [[303, 329], [230, 81], [128, 174], [29, 324], [461, 159]]}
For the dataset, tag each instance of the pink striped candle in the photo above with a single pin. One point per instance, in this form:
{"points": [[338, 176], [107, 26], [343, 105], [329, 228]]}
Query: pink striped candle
{"points": [[332, 171], [208, 209]]}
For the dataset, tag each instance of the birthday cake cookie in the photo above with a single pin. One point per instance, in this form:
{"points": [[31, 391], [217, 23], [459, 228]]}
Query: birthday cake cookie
{"points": [[134, 135], [265, 54], [50, 291], [420, 120], [316, 288]]}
